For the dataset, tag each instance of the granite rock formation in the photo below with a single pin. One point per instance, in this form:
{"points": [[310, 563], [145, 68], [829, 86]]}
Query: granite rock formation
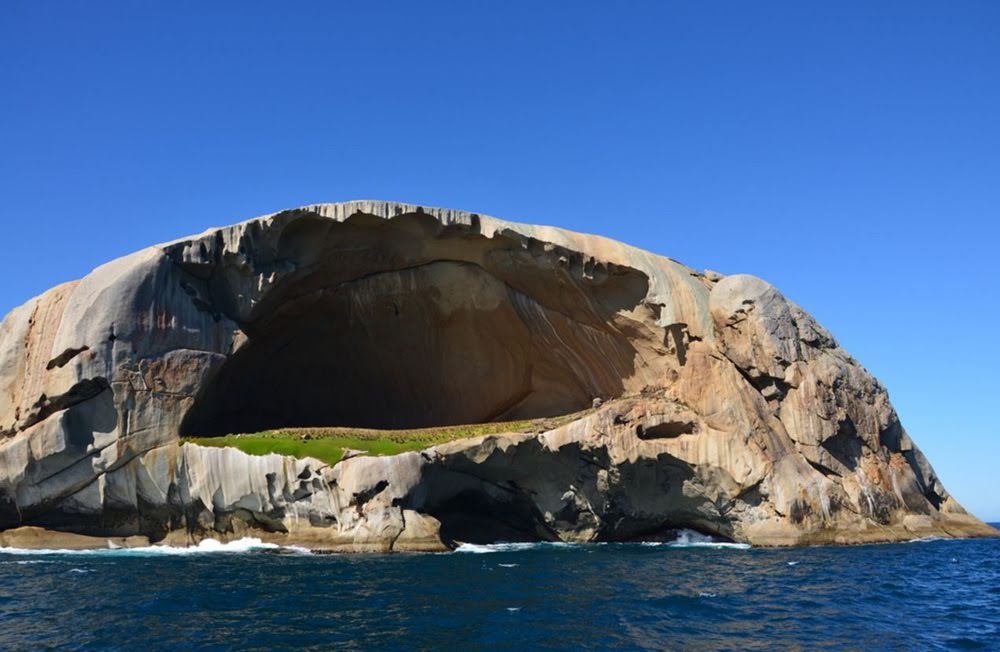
{"points": [[725, 407]]}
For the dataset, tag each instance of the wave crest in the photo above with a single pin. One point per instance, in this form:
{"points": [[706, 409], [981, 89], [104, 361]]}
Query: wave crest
{"points": [[685, 539], [244, 545], [692, 539]]}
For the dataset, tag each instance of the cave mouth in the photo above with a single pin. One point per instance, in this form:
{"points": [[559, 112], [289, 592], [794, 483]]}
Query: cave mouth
{"points": [[480, 516], [472, 516], [438, 343]]}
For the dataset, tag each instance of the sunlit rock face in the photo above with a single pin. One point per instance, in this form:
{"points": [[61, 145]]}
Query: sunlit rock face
{"points": [[724, 407]]}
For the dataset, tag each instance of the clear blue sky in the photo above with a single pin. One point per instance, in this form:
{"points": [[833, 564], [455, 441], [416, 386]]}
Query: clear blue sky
{"points": [[848, 152]]}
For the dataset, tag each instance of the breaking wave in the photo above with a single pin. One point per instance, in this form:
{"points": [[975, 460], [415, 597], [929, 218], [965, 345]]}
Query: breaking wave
{"points": [[693, 539], [930, 539], [479, 548], [207, 546], [685, 539]]}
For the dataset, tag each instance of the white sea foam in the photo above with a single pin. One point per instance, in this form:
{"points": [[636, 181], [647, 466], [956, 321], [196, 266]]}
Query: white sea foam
{"points": [[28, 561], [207, 546], [692, 539], [479, 548], [685, 539]]}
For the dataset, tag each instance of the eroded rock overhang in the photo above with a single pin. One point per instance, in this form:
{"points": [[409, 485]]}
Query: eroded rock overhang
{"points": [[411, 322]]}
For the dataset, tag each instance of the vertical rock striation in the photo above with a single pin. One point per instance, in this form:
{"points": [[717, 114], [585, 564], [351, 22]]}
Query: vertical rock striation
{"points": [[726, 408]]}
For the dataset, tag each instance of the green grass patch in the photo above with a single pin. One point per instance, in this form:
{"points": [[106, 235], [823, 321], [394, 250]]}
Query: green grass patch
{"points": [[328, 444], [326, 449]]}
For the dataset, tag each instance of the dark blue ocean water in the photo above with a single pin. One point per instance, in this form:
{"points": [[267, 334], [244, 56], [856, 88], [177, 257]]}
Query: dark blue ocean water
{"points": [[927, 595]]}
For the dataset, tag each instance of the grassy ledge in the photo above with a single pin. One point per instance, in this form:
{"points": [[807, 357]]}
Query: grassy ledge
{"points": [[328, 444]]}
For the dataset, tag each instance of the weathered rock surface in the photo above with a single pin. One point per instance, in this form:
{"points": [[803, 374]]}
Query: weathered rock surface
{"points": [[725, 407], [34, 538]]}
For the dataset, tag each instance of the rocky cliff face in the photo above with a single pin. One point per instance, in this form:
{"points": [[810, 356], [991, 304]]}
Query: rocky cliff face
{"points": [[726, 408]]}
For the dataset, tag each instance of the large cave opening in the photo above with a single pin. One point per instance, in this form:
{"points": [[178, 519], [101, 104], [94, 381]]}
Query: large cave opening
{"points": [[435, 342]]}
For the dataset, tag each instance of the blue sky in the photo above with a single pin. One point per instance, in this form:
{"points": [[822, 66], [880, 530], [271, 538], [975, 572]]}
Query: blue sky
{"points": [[847, 152]]}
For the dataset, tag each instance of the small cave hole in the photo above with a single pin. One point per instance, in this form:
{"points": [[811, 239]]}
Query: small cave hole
{"points": [[665, 430]]}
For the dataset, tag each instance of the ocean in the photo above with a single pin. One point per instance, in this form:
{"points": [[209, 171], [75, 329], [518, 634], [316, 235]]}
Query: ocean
{"points": [[686, 595]]}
